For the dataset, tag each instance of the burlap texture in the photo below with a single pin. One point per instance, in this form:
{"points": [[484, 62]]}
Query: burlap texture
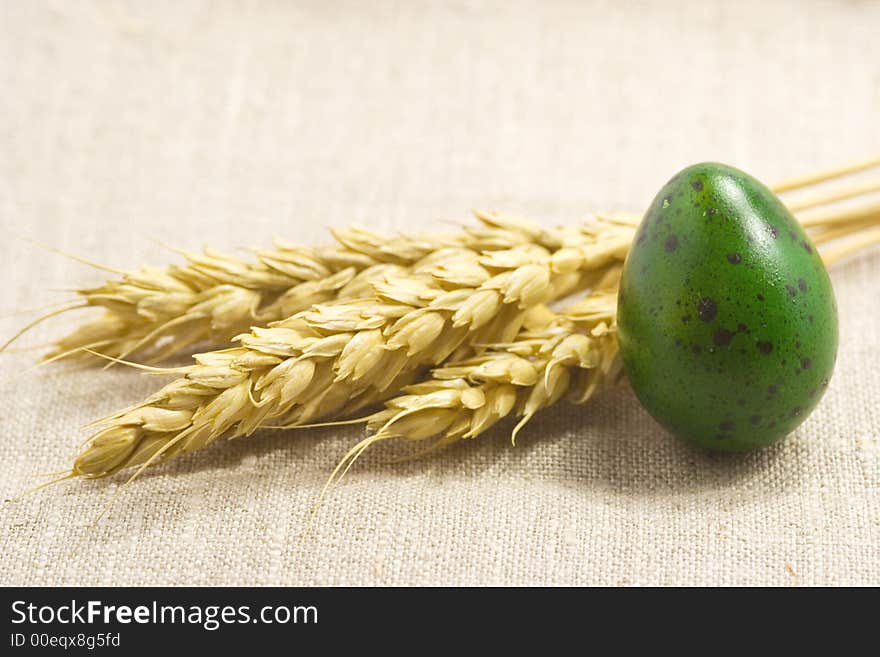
{"points": [[226, 123]]}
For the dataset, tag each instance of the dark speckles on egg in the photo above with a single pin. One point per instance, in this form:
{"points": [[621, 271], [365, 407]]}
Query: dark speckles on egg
{"points": [[792, 290], [727, 425], [707, 309], [734, 258], [764, 347], [771, 390], [697, 349], [755, 419], [722, 337], [759, 296], [807, 247], [806, 363], [671, 243], [697, 185], [802, 285]]}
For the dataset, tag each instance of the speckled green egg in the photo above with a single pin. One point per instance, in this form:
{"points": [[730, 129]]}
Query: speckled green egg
{"points": [[727, 319]]}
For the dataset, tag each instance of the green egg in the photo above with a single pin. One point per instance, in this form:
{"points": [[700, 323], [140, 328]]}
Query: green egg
{"points": [[727, 319]]}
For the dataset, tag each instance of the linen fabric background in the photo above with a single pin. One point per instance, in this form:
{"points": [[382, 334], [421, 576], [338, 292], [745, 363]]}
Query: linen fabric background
{"points": [[225, 123]]}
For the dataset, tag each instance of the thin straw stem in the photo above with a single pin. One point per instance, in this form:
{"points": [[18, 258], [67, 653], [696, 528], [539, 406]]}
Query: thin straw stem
{"points": [[838, 252], [828, 174], [827, 197], [839, 216]]}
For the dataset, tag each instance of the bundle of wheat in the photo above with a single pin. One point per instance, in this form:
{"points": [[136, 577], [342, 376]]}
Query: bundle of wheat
{"points": [[339, 329], [479, 317]]}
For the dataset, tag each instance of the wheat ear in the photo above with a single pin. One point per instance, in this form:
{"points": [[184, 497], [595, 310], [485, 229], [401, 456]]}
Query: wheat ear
{"points": [[154, 313], [571, 355]]}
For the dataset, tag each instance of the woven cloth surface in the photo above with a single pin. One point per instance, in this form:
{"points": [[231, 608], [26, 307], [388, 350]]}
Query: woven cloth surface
{"points": [[225, 123]]}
